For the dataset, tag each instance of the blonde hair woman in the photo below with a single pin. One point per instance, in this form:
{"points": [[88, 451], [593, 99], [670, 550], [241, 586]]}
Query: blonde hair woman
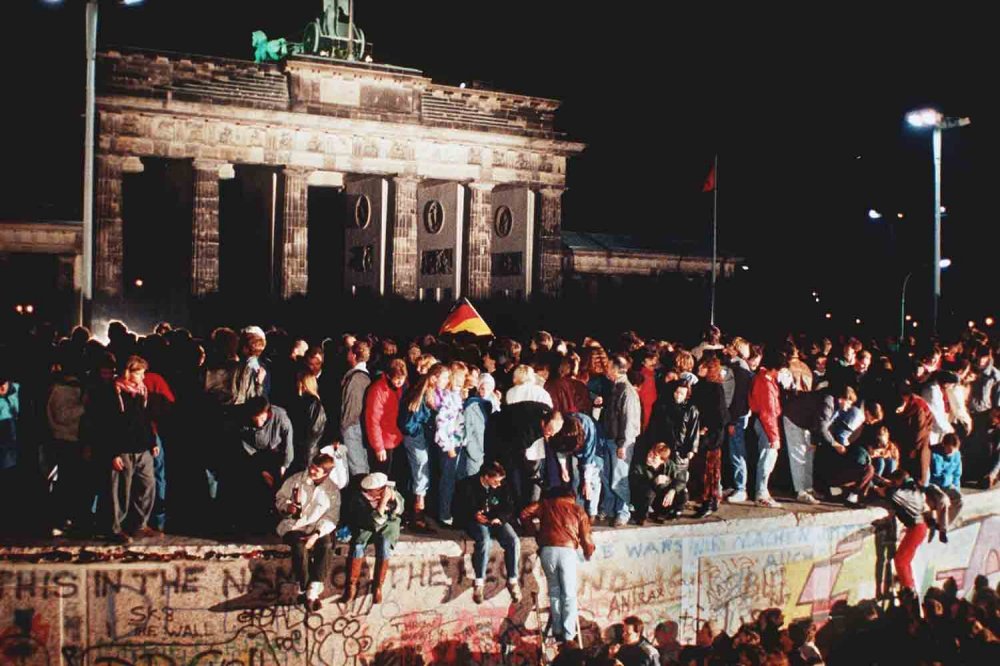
{"points": [[305, 411], [449, 435], [420, 405]]}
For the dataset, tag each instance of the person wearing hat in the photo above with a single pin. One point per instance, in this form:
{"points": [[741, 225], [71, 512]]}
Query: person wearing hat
{"points": [[373, 514], [309, 503]]}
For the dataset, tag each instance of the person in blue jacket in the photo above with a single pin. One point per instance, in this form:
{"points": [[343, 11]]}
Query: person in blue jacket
{"points": [[945, 490]]}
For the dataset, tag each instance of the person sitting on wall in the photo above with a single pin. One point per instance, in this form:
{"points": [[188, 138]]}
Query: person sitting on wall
{"points": [[652, 478], [483, 507], [945, 488], [373, 514], [676, 423], [309, 502]]}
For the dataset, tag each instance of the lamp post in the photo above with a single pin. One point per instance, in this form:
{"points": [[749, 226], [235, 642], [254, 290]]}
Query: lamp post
{"points": [[937, 122], [87, 288], [89, 114], [943, 263]]}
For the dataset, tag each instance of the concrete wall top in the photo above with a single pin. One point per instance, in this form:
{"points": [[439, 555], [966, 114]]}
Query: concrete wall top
{"points": [[749, 522]]}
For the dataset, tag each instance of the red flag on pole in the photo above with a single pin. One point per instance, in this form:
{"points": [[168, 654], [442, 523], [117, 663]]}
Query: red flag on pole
{"points": [[709, 185]]}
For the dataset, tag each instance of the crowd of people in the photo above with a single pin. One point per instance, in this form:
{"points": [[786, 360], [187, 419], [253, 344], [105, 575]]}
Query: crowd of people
{"points": [[942, 629], [360, 438]]}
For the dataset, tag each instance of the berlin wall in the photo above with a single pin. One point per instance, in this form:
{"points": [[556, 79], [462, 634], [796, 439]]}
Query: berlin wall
{"points": [[234, 605]]}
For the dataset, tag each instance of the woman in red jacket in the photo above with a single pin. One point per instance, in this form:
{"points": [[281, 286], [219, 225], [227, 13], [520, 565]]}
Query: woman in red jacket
{"points": [[381, 415]]}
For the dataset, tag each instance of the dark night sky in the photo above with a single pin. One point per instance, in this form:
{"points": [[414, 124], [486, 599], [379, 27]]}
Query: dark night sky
{"points": [[789, 100]]}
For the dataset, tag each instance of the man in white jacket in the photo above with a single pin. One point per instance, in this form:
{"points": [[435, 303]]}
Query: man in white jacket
{"points": [[935, 394], [310, 505]]}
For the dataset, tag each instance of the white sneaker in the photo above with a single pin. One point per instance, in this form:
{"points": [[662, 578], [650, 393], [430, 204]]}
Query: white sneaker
{"points": [[738, 497], [315, 590], [852, 498], [768, 502], [836, 491], [806, 497], [448, 521]]}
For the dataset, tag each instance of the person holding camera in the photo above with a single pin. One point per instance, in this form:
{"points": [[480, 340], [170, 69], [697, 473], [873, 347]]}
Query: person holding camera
{"points": [[309, 503], [374, 514]]}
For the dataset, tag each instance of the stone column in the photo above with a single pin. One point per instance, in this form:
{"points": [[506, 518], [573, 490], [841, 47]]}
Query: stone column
{"points": [[550, 243], [205, 228], [109, 251], [404, 238], [480, 239], [295, 233]]}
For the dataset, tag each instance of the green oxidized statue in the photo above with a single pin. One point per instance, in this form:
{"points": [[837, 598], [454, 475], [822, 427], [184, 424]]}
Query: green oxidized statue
{"points": [[265, 50], [333, 35]]}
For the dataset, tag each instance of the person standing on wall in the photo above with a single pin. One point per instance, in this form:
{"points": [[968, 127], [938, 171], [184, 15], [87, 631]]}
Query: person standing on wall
{"points": [[564, 527]]}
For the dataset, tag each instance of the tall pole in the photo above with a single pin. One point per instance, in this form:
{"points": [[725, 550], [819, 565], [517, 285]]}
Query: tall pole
{"points": [[715, 238], [936, 140], [87, 288], [350, 29], [902, 308]]}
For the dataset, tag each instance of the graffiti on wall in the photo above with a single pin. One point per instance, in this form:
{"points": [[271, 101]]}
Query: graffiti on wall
{"points": [[244, 611]]}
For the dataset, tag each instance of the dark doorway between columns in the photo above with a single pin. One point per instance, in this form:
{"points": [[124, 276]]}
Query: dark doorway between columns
{"points": [[157, 206], [327, 216], [250, 211]]}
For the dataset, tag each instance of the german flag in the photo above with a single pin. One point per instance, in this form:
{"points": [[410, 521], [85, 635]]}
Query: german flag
{"points": [[464, 318]]}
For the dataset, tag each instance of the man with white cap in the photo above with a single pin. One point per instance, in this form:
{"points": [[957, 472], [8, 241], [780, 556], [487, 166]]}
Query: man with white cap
{"points": [[309, 502], [374, 514]]}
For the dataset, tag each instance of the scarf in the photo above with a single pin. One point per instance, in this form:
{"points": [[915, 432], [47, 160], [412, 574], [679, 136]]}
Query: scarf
{"points": [[134, 390]]}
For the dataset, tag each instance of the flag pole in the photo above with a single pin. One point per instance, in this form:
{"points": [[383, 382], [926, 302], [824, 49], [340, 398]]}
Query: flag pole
{"points": [[715, 237]]}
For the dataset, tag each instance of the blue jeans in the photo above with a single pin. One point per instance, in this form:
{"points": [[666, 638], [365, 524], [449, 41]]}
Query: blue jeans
{"points": [[472, 457], [158, 519], [357, 458], [385, 539], [738, 452], [559, 565], [592, 480], [446, 485], [765, 461], [614, 477], [420, 471], [509, 541], [884, 466]]}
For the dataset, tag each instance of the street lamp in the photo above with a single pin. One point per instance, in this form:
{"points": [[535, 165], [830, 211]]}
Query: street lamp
{"points": [[935, 120], [90, 48], [903, 317]]}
